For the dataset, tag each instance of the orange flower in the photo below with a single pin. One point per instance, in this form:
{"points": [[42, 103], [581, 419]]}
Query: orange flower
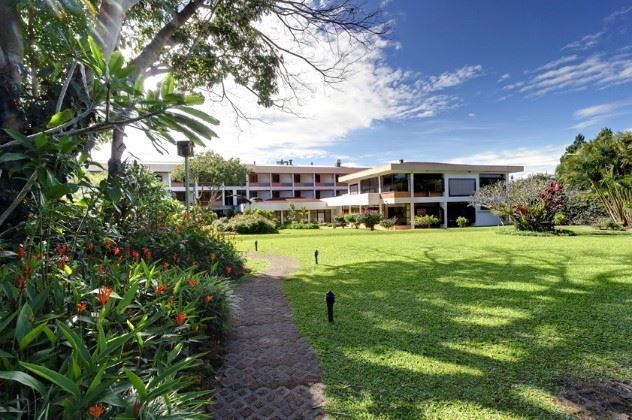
{"points": [[180, 317], [101, 269], [81, 307], [161, 289], [136, 255], [90, 246], [107, 244], [21, 281], [21, 251], [171, 299], [27, 271], [116, 250], [208, 298], [174, 257], [213, 257], [127, 250], [193, 282], [62, 264], [96, 411], [60, 249], [104, 295], [165, 265], [136, 408], [229, 270], [146, 254]]}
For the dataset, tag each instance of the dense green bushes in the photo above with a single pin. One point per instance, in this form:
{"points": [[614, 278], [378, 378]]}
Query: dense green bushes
{"points": [[426, 220], [111, 305], [245, 224], [301, 225]]}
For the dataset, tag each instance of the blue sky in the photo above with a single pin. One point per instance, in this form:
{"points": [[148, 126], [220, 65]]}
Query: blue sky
{"points": [[512, 41], [483, 81]]}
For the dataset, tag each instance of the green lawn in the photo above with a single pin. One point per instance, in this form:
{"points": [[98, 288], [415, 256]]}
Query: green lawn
{"points": [[459, 323]]}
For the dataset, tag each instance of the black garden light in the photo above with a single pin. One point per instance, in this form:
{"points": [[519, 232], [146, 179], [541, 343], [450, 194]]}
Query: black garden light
{"points": [[316, 256], [185, 149], [256, 246], [330, 299]]}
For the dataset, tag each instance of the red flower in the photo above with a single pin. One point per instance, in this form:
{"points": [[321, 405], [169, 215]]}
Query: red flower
{"points": [[229, 270], [193, 282], [127, 250], [21, 281], [116, 250], [107, 244], [208, 298], [62, 264], [521, 210], [174, 257], [96, 411], [101, 269], [180, 318], [104, 295], [136, 408], [165, 265], [27, 271], [21, 251], [81, 307], [136, 255], [146, 254], [90, 246], [171, 299], [60, 249], [161, 289]]}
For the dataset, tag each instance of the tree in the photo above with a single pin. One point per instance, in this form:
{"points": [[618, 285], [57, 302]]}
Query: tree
{"points": [[530, 203], [205, 43], [370, 219], [213, 171], [603, 166]]}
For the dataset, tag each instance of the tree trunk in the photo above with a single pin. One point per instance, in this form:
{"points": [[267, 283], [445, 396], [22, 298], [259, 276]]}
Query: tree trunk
{"points": [[149, 55], [11, 65]]}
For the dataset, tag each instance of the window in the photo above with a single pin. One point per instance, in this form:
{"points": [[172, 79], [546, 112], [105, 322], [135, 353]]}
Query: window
{"points": [[370, 185], [428, 183], [241, 197], [395, 182], [253, 177], [317, 177], [353, 189], [228, 197], [297, 178], [462, 187], [276, 178], [276, 194], [488, 179]]}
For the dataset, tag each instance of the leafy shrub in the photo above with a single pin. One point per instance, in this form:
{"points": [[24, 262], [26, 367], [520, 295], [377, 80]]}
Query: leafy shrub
{"points": [[388, 223], [301, 225], [461, 221], [426, 221], [246, 224], [353, 219], [339, 220], [607, 223], [584, 208], [370, 219], [268, 214], [559, 219]]}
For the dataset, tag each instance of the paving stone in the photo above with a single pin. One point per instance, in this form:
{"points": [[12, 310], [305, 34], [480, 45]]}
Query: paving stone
{"points": [[270, 371]]}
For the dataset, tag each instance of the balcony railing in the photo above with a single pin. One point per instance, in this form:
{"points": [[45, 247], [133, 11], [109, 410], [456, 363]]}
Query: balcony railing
{"points": [[259, 184], [303, 184], [324, 184], [281, 184]]}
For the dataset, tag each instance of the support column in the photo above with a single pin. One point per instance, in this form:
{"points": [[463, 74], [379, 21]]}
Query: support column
{"points": [[411, 188], [445, 214], [282, 221], [412, 214]]}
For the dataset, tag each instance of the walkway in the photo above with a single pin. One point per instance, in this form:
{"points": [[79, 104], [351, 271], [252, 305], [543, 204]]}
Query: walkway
{"points": [[270, 371]]}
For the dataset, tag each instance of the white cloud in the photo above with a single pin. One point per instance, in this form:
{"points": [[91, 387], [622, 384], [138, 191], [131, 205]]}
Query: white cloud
{"points": [[534, 160], [504, 77], [471, 115], [586, 42], [373, 91], [572, 73], [599, 114]]}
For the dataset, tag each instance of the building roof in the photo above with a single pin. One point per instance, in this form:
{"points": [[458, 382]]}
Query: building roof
{"points": [[428, 167], [290, 169]]}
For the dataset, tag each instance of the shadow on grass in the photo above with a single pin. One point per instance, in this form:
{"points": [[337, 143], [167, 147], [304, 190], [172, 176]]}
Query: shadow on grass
{"points": [[495, 336]]}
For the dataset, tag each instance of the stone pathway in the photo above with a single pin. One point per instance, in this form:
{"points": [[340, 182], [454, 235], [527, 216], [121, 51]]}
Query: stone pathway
{"points": [[270, 371]]}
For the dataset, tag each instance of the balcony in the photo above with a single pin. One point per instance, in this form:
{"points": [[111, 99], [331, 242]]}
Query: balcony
{"points": [[303, 184], [428, 194], [259, 184], [281, 184], [325, 184]]}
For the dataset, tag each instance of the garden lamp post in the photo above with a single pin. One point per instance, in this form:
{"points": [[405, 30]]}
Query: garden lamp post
{"points": [[330, 299], [185, 149]]}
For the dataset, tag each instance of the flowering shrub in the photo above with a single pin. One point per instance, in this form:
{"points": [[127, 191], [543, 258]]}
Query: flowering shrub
{"points": [[84, 337], [426, 220], [370, 219]]}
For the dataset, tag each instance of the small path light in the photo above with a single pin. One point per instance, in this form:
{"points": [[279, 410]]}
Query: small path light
{"points": [[256, 246], [316, 256], [330, 298]]}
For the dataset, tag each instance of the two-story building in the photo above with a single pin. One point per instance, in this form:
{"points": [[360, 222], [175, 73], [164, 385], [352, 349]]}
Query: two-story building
{"points": [[407, 189]]}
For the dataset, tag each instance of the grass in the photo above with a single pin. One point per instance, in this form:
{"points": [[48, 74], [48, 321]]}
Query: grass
{"points": [[459, 323]]}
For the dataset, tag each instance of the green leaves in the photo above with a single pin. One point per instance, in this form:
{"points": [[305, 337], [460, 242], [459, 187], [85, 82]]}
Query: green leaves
{"points": [[61, 118], [24, 379], [75, 342], [9, 157], [56, 378], [23, 324]]}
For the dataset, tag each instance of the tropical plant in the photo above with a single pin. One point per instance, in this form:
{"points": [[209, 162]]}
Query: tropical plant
{"points": [[388, 223], [426, 220], [462, 221], [339, 220], [246, 224], [604, 167], [353, 219], [370, 218]]}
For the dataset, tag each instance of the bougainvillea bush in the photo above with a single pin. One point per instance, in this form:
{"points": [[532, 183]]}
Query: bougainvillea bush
{"points": [[530, 203]]}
